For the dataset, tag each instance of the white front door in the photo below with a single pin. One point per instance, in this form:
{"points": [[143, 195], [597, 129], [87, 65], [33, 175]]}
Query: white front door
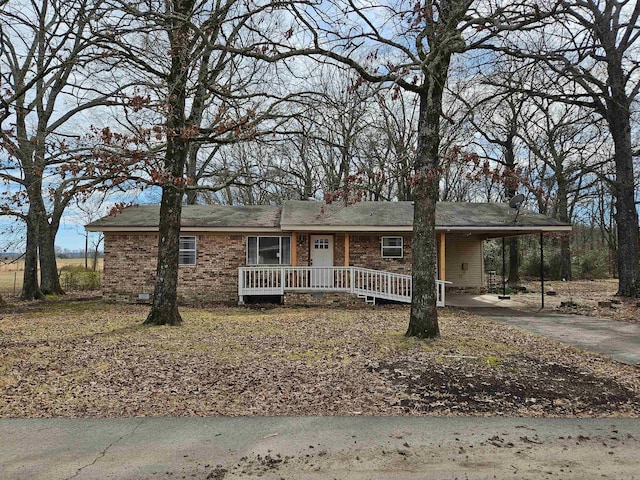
{"points": [[322, 256]]}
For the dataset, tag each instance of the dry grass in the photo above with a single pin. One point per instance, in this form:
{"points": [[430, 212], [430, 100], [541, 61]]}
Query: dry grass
{"points": [[74, 358], [11, 274]]}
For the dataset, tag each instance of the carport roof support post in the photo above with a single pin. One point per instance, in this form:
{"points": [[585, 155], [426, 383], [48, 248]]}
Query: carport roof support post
{"points": [[541, 270], [504, 295]]}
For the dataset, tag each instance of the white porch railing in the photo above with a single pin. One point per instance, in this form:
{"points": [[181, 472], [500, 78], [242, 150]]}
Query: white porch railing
{"points": [[364, 282]]}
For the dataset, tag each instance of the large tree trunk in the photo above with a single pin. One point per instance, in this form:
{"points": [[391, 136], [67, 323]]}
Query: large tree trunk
{"points": [[626, 215], [627, 225], [49, 278], [562, 214], [423, 321], [30, 288], [164, 310], [514, 262], [45, 237]]}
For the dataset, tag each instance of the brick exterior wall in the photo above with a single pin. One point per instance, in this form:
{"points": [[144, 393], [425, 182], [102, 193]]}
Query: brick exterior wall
{"points": [[365, 251], [130, 265], [303, 249]]}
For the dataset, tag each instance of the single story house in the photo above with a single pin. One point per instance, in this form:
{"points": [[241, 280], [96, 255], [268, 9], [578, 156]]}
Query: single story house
{"points": [[305, 251]]}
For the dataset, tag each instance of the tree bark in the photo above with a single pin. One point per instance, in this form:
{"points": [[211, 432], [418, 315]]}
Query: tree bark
{"points": [[164, 310], [30, 288], [626, 215], [49, 278], [514, 262], [562, 214], [423, 320]]}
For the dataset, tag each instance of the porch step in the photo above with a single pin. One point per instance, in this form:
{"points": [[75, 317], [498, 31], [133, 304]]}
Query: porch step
{"points": [[368, 299]]}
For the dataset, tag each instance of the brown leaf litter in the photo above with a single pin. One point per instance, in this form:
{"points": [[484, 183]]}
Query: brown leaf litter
{"points": [[93, 359]]}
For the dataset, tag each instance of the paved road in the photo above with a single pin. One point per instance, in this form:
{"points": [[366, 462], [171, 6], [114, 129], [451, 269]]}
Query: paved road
{"points": [[618, 340], [319, 448]]}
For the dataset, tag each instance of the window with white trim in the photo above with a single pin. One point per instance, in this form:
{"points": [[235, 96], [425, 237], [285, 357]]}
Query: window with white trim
{"points": [[392, 247], [268, 250], [187, 253]]}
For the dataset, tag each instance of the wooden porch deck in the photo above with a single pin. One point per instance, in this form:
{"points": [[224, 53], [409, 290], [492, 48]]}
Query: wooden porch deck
{"points": [[365, 283]]}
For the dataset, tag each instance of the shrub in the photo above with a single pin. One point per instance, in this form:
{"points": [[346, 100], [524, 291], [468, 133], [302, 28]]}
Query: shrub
{"points": [[80, 278], [592, 264]]}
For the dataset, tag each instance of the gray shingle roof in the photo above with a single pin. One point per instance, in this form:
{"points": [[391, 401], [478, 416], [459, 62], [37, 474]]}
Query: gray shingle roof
{"points": [[309, 215], [215, 216], [400, 214]]}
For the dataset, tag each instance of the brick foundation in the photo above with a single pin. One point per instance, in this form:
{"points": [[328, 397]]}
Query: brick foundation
{"points": [[325, 298]]}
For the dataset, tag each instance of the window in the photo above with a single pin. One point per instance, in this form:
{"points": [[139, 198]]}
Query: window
{"points": [[187, 253], [321, 244], [392, 247], [268, 250]]}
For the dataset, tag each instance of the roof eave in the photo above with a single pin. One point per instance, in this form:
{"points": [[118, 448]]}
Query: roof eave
{"points": [[143, 229], [347, 228], [438, 228], [511, 228]]}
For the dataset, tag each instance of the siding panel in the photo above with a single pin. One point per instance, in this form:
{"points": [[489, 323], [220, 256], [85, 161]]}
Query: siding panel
{"points": [[461, 249]]}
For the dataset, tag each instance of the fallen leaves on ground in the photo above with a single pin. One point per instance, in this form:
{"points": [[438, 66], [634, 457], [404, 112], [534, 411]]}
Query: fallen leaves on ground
{"points": [[93, 359], [583, 297]]}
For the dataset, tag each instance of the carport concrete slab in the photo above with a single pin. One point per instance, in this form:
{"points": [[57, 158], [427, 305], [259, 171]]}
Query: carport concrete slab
{"points": [[482, 301], [618, 340]]}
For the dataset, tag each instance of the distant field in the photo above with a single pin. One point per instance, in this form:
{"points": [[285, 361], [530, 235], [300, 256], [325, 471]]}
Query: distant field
{"points": [[11, 273]]}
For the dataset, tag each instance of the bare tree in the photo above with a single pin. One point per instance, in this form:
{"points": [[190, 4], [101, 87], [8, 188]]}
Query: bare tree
{"points": [[497, 117], [387, 156], [45, 56], [89, 210], [190, 98], [591, 54], [565, 145], [367, 39]]}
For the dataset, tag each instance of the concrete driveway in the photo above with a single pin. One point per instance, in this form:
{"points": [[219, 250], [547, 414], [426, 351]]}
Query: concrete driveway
{"points": [[618, 340]]}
